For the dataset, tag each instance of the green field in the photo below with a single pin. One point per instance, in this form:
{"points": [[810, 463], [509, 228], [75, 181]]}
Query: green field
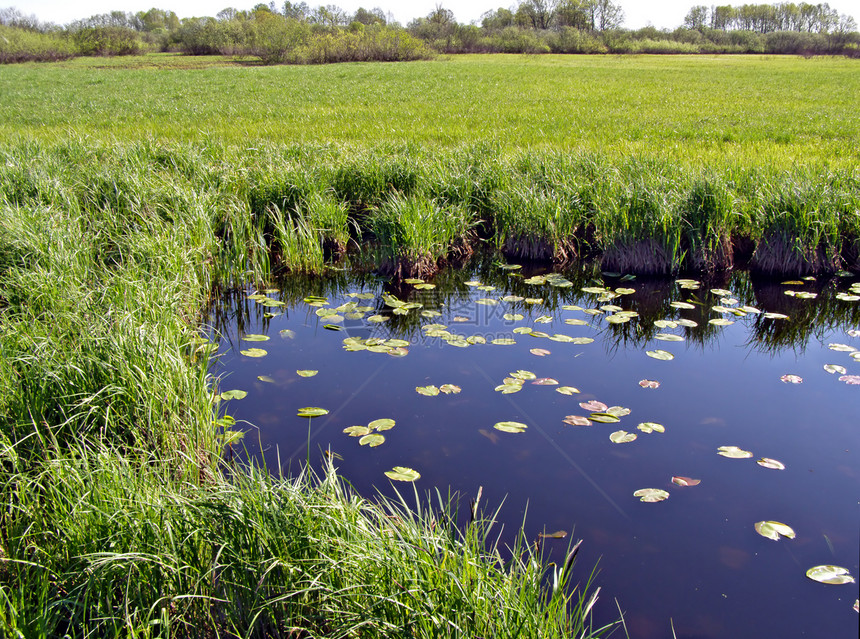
{"points": [[698, 110]]}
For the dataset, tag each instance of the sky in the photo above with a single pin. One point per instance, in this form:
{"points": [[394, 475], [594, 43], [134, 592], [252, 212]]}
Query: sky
{"points": [[638, 13]]}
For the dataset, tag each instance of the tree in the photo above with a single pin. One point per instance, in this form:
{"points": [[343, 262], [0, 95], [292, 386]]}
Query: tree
{"points": [[498, 19], [697, 18], [607, 15], [376, 16], [574, 13], [537, 14]]}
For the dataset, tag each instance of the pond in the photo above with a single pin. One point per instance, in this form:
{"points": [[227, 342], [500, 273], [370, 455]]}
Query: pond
{"points": [[614, 384]]}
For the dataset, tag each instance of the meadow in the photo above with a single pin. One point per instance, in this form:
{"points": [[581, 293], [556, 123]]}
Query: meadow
{"points": [[133, 190]]}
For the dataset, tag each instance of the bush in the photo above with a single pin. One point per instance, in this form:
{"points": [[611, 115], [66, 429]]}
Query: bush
{"points": [[107, 41], [23, 45]]}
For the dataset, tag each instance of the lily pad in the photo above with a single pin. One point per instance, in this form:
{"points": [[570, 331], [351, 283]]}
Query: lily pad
{"points": [[720, 321], [733, 452], [373, 440], [507, 389], [533, 300], [775, 316], [253, 337], [567, 390], [357, 431], [450, 389], [853, 380], [306, 373], [540, 352], [545, 381], [384, 423], [666, 324], [604, 418], [687, 322], [312, 411], [576, 322], [503, 341], [534, 333], [486, 301], [254, 352], [834, 575], [266, 378], [792, 379], [618, 319], [622, 437], [721, 292], [512, 298], [543, 319], [651, 495], [581, 341], [685, 481], [378, 319], [403, 473], [234, 394], [774, 529], [649, 383], [429, 391], [513, 317], [668, 337], [593, 406], [841, 348], [660, 354], [773, 464], [651, 427], [510, 427], [523, 375], [682, 305], [835, 368], [618, 411], [577, 420]]}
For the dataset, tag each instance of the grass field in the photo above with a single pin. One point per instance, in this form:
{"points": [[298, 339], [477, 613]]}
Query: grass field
{"points": [[694, 110]]}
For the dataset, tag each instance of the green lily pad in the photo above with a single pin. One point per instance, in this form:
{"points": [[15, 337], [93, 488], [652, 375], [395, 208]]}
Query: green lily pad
{"points": [[845, 297], [625, 291], [486, 301], [835, 368], [533, 300], [523, 375], [413, 280], [567, 390], [266, 378], [841, 348], [535, 333], [384, 423], [234, 394], [563, 339], [254, 352], [253, 337], [373, 440], [287, 333], [660, 354], [377, 319], [429, 391], [306, 373], [666, 324], [622, 437], [604, 418], [507, 389], [651, 427], [733, 452], [651, 495], [571, 307], [792, 379], [773, 530], [618, 319], [477, 339], [503, 341], [402, 473], [649, 383], [775, 316], [510, 427], [512, 298], [545, 381], [543, 319], [522, 330], [540, 352], [510, 267], [749, 309], [720, 321], [685, 481], [450, 389], [513, 317], [773, 464], [618, 411], [721, 292], [312, 411], [357, 431], [581, 341], [682, 305], [834, 575], [668, 337], [687, 322], [576, 322], [577, 420]]}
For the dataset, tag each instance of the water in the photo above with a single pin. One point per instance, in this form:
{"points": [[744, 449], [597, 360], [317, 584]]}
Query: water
{"points": [[694, 562]]}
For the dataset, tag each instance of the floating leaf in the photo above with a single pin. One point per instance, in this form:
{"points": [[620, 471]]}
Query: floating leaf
{"points": [[845, 297], [512, 298], [381, 424], [357, 431], [507, 389], [604, 418], [510, 427], [429, 391], [312, 411], [450, 389], [253, 337], [651, 427], [306, 373], [510, 267], [668, 337], [854, 380], [682, 305], [533, 300], [622, 437], [749, 309], [513, 317], [576, 322], [377, 319], [402, 473], [567, 390], [558, 534], [625, 291], [651, 495], [834, 575], [666, 324], [775, 316], [593, 406], [522, 330], [523, 375], [234, 394], [503, 341], [577, 420], [545, 381], [773, 464], [254, 352], [581, 341], [543, 319], [733, 452], [773, 530], [266, 378], [486, 301], [618, 411], [618, 319], [373, 440], [792, 379], [686, 481], [649, 383], [540, 352], [534, 333], [564, 339], [719, 321], [477, 339], [687, 322], [721, 292], [834, 368], [660, 354], [841, 348]]}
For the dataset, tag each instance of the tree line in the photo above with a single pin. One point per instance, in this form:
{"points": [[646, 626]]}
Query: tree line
{"points": [[296, 33]]}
